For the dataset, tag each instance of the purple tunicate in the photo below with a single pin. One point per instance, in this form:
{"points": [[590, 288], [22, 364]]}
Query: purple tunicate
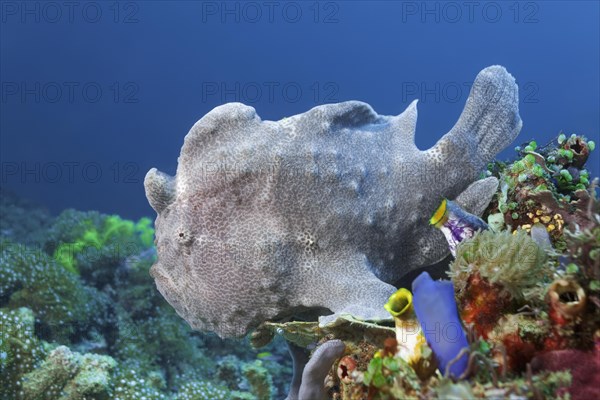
{"points": [[437, 313]]}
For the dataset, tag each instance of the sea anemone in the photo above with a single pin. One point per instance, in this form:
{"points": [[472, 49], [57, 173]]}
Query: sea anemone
{"points": [[512, 262]]}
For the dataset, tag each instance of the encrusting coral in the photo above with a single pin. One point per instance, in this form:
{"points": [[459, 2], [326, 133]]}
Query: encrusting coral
{"points": [[65, 375]]}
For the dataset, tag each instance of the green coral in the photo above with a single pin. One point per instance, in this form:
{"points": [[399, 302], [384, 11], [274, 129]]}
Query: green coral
{"points": [[543, 185], [81, 241], [514, 261], [228, 371]]}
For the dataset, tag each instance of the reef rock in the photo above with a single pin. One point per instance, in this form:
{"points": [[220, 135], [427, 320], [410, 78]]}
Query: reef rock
{"points": [[320, 212]]}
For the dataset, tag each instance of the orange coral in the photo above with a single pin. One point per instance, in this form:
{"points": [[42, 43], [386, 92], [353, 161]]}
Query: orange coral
{"points": [[482, 304]]}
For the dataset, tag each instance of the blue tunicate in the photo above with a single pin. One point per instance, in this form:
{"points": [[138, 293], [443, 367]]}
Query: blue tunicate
{"points": [[437, 313]]}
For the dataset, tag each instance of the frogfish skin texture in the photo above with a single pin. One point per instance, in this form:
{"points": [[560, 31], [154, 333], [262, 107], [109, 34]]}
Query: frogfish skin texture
{"points": [[317, 213]]}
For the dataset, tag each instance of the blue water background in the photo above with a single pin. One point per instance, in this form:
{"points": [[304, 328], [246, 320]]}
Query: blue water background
{"points": [[95, 94]]}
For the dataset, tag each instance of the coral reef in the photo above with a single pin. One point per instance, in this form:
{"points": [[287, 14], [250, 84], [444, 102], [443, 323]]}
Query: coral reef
{"points": [[261, 384], [102, 330], [66, 375], [331, 205], [583, 365], [513, 261], [62, 304], [528, 297], [84, 241], [547, 186], [80, 317], [495, 273]]}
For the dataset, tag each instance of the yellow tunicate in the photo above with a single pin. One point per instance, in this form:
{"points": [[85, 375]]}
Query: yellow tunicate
{"points": [[538, 212], [550, 228], [399, 303], [545, 219], [536, 220], [526, 226], [530, 215]]}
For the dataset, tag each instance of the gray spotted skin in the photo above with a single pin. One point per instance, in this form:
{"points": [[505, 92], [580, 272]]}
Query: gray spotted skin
{"points": [[321, 211]]}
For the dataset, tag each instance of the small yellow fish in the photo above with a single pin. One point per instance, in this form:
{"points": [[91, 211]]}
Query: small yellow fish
{"points": [[440, 216]]}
